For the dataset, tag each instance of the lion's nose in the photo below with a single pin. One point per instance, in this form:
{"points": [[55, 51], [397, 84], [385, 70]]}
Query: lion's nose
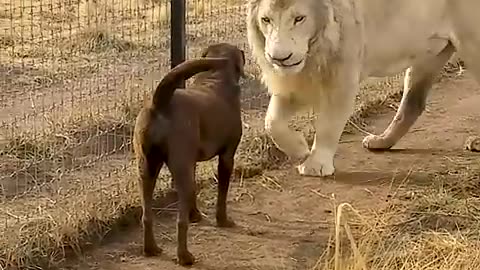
{"points": [[280, 59]]}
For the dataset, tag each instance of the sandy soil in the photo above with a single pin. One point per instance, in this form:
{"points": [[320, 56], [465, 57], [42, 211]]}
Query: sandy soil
{"points": [[283, 220]]}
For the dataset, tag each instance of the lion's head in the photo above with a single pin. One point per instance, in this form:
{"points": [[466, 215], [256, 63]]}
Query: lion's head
{"points": [[282, 33]]}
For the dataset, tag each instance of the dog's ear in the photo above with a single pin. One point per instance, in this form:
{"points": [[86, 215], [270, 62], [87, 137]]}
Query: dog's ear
{"points": [[204, 52], [240, 64]]}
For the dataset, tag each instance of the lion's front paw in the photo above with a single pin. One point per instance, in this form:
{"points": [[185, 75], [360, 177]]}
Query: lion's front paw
{"points": [[292, 144], [375, 142], [301, 154], [297, 150], [472, 143], [312, 167], [300, 158]]}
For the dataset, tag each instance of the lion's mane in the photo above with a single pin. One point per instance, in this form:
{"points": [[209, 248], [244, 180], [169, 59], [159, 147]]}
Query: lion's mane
{"points": [[321, 58]]}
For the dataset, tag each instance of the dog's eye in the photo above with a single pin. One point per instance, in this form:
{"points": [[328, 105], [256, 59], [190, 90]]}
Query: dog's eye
{"points": [[299, 19], [266, 20]]}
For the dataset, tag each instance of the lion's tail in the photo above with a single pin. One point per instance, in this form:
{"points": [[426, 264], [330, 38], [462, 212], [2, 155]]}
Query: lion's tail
{"points": [[165, 89]]}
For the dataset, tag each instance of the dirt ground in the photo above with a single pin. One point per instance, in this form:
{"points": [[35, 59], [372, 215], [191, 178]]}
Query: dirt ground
{"points": [[283, 220]]}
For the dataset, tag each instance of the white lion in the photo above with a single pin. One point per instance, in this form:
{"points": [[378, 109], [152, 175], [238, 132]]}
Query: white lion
{"points": [[314, 54]]}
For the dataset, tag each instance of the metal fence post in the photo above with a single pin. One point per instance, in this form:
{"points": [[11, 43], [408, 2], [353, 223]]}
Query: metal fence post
{"points": [[177, 34]]}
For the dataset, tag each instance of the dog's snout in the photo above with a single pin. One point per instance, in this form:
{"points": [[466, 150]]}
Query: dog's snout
{"points": [[280, 58]]}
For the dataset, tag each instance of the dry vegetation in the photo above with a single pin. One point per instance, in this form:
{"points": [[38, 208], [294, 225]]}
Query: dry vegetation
{"points": [[422, 227], [71, 82]]}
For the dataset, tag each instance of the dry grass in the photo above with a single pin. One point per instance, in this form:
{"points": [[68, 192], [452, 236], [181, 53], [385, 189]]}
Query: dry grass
{"points": [[433, 227]]}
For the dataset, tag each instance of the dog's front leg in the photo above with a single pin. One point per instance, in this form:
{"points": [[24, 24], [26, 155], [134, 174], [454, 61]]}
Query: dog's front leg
{"points": [[183, 177], [292, 143], [330, 117]]}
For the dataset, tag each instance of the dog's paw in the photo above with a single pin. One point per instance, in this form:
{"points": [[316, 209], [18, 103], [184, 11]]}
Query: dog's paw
{"points": [[195, 216], [312, 167], [185, 258], [376, 142], [152, 250], [225, 223]]}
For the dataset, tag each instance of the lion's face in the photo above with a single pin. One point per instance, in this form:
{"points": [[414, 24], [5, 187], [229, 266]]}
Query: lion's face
{"points": [[288, 28]]}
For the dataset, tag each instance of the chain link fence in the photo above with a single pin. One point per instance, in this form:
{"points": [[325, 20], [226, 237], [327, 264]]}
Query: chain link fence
{"points": [[73, 74]]}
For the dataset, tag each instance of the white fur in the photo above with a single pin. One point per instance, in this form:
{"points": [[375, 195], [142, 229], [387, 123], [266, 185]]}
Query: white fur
{"points": [[339, 43]]}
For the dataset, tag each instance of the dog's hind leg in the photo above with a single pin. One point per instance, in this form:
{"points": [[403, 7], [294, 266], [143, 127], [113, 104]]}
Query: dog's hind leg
{"points": [[148, 168], [195, 215], [183, 174], [225, 169]]}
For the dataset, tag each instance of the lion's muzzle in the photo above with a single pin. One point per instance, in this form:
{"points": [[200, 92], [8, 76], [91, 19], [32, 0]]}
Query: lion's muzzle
{"points": [[282, 59], [278, 59]]}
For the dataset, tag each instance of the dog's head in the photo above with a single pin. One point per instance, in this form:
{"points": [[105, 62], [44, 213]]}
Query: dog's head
{"points": [[235, 55]]}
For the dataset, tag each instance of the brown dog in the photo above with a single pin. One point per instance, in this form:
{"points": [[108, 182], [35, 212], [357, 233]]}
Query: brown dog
{"points": [[182, 127]]}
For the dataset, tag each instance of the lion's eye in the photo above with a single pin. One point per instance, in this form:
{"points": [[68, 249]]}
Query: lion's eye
{"points": [[265, 20], [299, 19]]}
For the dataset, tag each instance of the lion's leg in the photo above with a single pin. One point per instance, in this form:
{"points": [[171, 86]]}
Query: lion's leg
{"points": [[471, 56], [292, 143], [331, 116], [417, 83], [464, 16]]}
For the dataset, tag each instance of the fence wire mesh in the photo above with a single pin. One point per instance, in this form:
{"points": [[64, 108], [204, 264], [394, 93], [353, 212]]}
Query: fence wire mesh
{"points": [[73, 73]]}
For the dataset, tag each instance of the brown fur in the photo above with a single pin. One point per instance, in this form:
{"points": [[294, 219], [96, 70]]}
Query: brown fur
{"points": [[182, 127]]}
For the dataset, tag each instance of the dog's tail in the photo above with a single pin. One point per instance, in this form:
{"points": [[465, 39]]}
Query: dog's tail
{"points": [[165, 89]]}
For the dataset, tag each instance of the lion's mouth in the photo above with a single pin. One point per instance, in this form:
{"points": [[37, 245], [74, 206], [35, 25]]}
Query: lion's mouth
{"points": [[290, 65]]}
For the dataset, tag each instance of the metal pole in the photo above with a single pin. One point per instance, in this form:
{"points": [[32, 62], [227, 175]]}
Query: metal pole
{"points": [[177, 34]]}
